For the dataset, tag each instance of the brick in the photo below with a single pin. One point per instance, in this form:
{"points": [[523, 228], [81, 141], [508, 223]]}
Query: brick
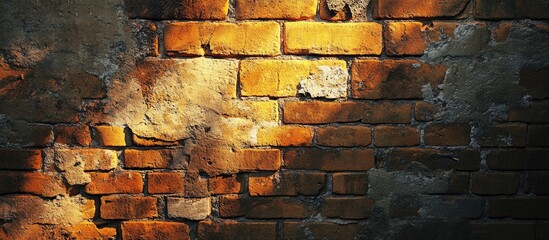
{"points": [[539, 183], [285, 136], [413, 159], [519, 208], [30, 136], [237, 230], [110, 136], [511, 9], [535, 81], [347, 207], [317, 112], [350, 183], [536, 113], [115, 182], [165, 182], [88, 209], [155, 230], [344, 136], [503, 135], [264, 208], [250, 160], [538, 135], [518, 159], [404, 38], [284, 9], [323, 230], [330, 160], [325, 38], [396, 136], [153, 159], [31, 182], [501, 32], [124, 207], [503, 230], [387, 112], [256, 111], [282, 78], [222, 39], [226, 184], [146, 142], [223, 161], [459, 184], [189, 208], [495, 183], [72, 135], [88, 230], [394, 79], [13, 159], [287, 184], [196, 186], [177, 9], [406, 9], [425, 111], [91, 159], [454, 134]]}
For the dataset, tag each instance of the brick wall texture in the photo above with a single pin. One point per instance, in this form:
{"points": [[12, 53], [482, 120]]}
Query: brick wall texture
{"points": [[264, 119]]}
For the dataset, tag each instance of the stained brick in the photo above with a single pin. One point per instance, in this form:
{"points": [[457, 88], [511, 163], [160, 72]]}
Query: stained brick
{"points": [[72, 135], [284, 9], [226, 184], [325, 38], [222, 39], [344, 136], [285, 136], [394, 79], [189, 208], [538, 135], [350, 183], [196, 186], [89, 230], [115, 182], [12, 159], [520, 208], [504, 135], [511, 9], [31, 182], [387, 112], [124, 207], [454, 134], [237, 230], [154, 230], [536, 113], [347, 207], [264, 208], [503, 230], [405, 9], [425, 111], [153, 159], [111, 136], [432, 159], [166, 182], [330, 160], [177, 9], [404, 38], [518, 159], [396, 136], [323, 230], [317, 112], [495, 183], [91, 159], [287, 184]]}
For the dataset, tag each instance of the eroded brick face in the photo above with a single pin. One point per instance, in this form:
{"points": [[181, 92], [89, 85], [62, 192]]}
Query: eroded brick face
{"points": [[274, 119]]}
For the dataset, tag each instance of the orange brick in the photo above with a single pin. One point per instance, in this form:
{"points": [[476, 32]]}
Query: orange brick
{"points": [[155, 230], [350, 183], [287, 184], [258, 160], [330, 160], [317, 112], [140, 141], [88, 230], [124, 207], [152, 159], [344, 136], [88, 209], [72, 135], [396, 136], [453, 134], [503, 135], [281, 9], [13, 159], [285, 136], [404, 38], [255, 110], [281, 78], [110, 136], [425, 111], [166, 182], [387, 112], [225, 39], [177, 9], [115, 182], [31, 182], [332, 38], [225, 184], [395, 9]]}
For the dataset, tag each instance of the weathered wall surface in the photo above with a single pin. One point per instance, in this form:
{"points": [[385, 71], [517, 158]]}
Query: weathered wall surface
{"points": [[311, 119]]}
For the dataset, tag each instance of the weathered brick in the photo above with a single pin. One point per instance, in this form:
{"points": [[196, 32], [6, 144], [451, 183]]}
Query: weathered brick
{"points": [[196, 186], [284, 9], [323, 230], [226, 184], [285, 136], [128, 207], [538, 135], [503, 230], [237, 230], [189, 208], [111, 136], [264, 208], [145, 33], [250, 160], [165, 182], [222, 39], [147, 142], [115, 182], [350, 183], [501, 32], [13, 159], [520, 208], [511, 9], [155, 230], [404, 38], [72, 135], [347, 207], [453, 134], [88, 209], [396, 136], [387, 112], [539, 183], [330, 160], [153, 159], [89, 230], [325, 38], [344, 136], [432, 159], [336, 10], [287, 184], [534, 80], [223, 161], [536, 113], [282, 78], [255, 110], [425, 111], [405, 9], [394, 79], [31, 182], [91, 159], [503, 135], [518, 159], [459, 184], [177, 9], [495, 183], [317, 112]]}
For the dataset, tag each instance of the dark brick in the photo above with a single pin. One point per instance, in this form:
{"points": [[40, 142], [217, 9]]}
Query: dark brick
{"points": [[128, 207], [344, 136], [237, 230], [316, 112], [38, 183], [324, 230], [536, 81], [350, 183], [347, 207], [431, 159], [330, 160], [425, 111], [540, 184], [495, 183], [287, 184], [520, 208], [518, 159], [511, 9], [404, 9], [504, 136], [264, 207], [455, 134], [13, 159], [538, 135], [387, 112], [503, 231], [154, 230], [537, 113], [177, 9]]}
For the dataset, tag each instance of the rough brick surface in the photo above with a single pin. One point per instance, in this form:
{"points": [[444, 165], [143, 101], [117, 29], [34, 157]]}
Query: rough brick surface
{"points": [[495, 183], [124, 207], [237, 230], [266, 9], [287, 184], [350, 183], [344, 136], [457, 134], [395, 9], [155, 230], [329, 160], [166, 182], [174, 9], [347, 207], [511, 9], [391, 136], [264, 208], [20, 159], [323, 230], [115, 182]]}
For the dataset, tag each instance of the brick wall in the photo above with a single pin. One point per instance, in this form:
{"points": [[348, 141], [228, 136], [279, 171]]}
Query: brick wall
{"points": [[259, 119]]}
